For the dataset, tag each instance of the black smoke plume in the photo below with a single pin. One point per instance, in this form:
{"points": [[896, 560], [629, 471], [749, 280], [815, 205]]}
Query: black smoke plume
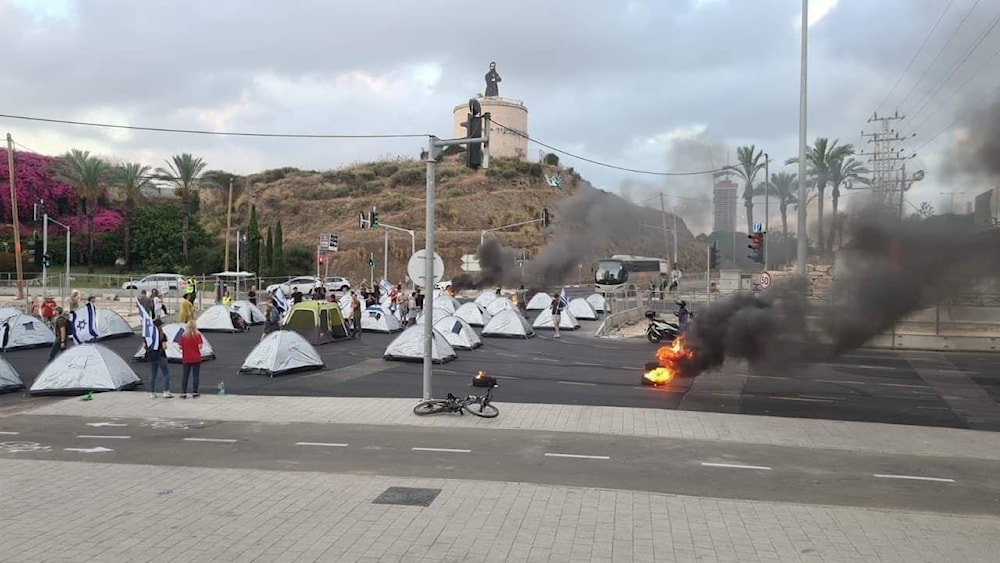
{"points": [[886, 274], [977, 151]]}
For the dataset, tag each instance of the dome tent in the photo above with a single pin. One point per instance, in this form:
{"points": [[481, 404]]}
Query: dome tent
{"points": [[474, 314], [566, 320], [216, 318], [485, 298], [596, 301], [90, 324], [446, 302], [458, 333], [499, 304], [409, 346], [581, 309], [173, 332], [509, 324], [8, 312], [378, 319], [539, 301], [84, 368], [281, 352], [24, 331], [251, 314], [9, 379]]}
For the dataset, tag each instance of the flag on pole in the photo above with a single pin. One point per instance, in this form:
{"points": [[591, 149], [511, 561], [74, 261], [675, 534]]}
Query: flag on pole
{"points": [[149, 332], [563, 298], [280, 301], [86, 323]]}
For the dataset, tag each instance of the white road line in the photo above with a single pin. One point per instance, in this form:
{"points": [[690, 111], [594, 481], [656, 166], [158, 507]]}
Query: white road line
{"points": [[576, 383], [803, 399], [550, 360], [840, 381], [935, 408], [820, 398], [9, 433], [104, 436], [660, 388], [915, 478], [321, 444], [218, 440], [905, 385], [766, 377], [577, 456], [730, 395], [504, 377], [736, 466], [446, 450], [849, 366], [508, 355]]}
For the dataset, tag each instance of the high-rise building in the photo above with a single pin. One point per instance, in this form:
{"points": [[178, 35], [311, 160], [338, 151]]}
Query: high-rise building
{"points": [[724, 197]]}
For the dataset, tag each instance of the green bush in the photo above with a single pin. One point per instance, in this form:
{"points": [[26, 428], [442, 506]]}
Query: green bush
{"points": [[383, 169], [408, 177], [551, 159], [366, 176]]}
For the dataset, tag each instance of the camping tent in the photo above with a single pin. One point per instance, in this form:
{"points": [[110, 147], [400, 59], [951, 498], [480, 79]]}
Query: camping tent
{"points": [[458, 333], [83, 368], [581, 309], [485, 298], [24, 331], [539, 301], [438, 313], [596, 301], [566, 320], [281, 352], [91, 324], [379, 319], [216, 318], [409, 346], [474, 314], [497, 305], [508, 323], [318, 321], [446, 302], [251, 314], [9, 379], [173, 332], [8, 312]]}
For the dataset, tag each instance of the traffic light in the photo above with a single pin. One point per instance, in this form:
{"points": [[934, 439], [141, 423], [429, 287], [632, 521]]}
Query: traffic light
{"points": [[473, 130], [362, 222], [371, 260], [545, 218], [756, 247], [47, 260], [373, 217], [713, 256], [334, 243], [320, 260], [38, 251]]}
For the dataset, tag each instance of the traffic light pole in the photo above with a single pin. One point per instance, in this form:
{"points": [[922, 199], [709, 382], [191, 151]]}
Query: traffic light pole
{"points": [[45, 250], [708, 274], [482, 234], [413, 244]]}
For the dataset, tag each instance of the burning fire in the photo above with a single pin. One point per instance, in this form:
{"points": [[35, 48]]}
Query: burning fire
{"points": [[668, 356], [481, 374], [449, 292]]}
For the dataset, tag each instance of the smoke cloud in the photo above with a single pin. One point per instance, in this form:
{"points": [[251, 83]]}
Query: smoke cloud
{"points": [[977, 151], [889, 272]]}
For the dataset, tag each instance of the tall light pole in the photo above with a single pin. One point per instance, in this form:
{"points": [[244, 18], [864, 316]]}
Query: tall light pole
{"points": [[803, 246]]}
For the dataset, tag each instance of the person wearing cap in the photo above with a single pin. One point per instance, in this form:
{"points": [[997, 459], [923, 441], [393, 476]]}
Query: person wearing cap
{"points": [[61, 327], [157, 358]]}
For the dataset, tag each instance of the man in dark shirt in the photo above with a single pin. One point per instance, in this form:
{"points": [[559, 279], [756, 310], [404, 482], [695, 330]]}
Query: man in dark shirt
{"points": [[296, 295], [418, 299], [62, 334]]}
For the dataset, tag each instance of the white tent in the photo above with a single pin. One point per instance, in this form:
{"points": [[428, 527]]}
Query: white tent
{"points": [[539, 301], [379, 319], [485, 298], [581, 309], [282, 352], [8, 312], [251, 314], [474, 314], [596, 301], [90, 324], [438, 313], [446, 302], [9, 379], [83, 368], [173, 332], [566, 320], [508, 323], [24, 331], [497, 305], [409, 346], [458, 333], [216, 319]]}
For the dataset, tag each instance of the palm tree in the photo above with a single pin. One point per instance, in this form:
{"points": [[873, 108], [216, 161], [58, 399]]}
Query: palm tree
{"points": [[784, 187], [87, 174], [132, 177], [843, 170], [750, 164], [819, 160], [183, 170]]}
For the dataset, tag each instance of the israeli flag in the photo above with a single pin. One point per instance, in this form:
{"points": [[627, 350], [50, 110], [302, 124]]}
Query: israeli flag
{"points": [[149, 332], [280, 301], [563, 298], [79, 324], [385, 285]]}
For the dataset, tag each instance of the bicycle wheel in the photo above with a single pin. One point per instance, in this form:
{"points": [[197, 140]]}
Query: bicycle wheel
{"points": [[430, 407], [484, 411]]}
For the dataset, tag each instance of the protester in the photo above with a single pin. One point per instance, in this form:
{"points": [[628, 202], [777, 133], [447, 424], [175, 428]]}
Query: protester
{"points": [[62, 334], [191, 342], [157, 357]]}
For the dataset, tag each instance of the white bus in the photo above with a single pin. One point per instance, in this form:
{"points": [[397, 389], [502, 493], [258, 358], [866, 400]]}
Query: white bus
{"points": [[612, 273]]}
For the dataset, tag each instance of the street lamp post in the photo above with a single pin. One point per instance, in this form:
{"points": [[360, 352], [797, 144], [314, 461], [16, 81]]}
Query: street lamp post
{"points": [[803, 247]]}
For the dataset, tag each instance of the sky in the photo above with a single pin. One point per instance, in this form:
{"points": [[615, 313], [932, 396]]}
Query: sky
{"points": [[657, 85]]}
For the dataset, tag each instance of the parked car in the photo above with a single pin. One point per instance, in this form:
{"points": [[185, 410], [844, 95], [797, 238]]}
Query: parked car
{"points": [[160, 282], [304, 283], [337, 283]]}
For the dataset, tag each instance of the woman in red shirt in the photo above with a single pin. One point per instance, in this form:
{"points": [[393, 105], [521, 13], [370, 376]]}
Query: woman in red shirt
{"points": [[191, 342]]}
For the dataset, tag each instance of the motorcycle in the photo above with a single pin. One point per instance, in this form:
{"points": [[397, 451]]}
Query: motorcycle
{"points": [[658, 329]]}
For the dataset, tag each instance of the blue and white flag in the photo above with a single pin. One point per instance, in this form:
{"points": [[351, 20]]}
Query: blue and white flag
{"points": [[280, 301], [149, 332], [385, 285], [84, 326], [563, 298]]}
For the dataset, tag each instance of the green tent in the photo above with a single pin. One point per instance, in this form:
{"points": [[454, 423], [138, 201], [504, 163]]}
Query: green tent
{"points": [[317, 321]]}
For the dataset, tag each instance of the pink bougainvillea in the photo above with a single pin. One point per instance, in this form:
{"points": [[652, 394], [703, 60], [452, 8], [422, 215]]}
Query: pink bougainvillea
{"points": [[36, 180]]}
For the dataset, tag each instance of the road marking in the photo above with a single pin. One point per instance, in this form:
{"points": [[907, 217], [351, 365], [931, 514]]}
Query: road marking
{"points": [[820, 397], [850, 366], [576, 383], [767, 377], [906, 385], [508, 355], [732, 395], [803, 399], [96, 450], [504, 377], [104, 436], [99, 424], [660, 388], [915, 478], [935, 408], [736, 466], [219, 440], [321, 444], [550, 360], [846, 382], [447, 450], [10, 433], [577, 456]]}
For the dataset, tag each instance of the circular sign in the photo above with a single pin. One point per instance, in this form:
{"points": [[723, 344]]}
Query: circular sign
{"points": [[417, 265], [765, 280]]}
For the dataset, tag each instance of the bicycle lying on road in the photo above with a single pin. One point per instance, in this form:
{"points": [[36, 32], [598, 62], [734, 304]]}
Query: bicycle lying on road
{"points": [[478, 405]]}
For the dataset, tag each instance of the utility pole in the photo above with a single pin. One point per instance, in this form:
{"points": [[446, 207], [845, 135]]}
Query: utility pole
{"points": [[666, 241], [884, 157], [229, 222], [385, 255], [767, 202], [13, 215], [803, 243]]}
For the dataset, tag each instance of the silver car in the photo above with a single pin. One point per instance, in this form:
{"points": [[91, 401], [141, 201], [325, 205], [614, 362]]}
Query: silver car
{"points": [[160, 282]]}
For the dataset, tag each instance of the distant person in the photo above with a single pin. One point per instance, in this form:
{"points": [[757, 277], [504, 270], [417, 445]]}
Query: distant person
{"points": [[186, 312], [556, 308], [146, 302], [272, 318], [157, 357], [62, 334], [418, 300], [683, 314], [74, 300], [252, 295], [296, 295], [191, 342], [355, 315], [227, 299], [159, 309], [522, 300]]}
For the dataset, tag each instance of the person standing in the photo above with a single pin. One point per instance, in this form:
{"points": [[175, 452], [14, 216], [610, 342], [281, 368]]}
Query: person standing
{"points": [[556, 308], [355, 315], [272, 318], [186, 313], [522, 300], [227, 299], [191, 342], [146, 302], [157, 357], [252, 295], [62, 334], [159, 309]]}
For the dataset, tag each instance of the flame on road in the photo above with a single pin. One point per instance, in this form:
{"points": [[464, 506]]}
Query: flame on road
{"points": [[668, 357]]}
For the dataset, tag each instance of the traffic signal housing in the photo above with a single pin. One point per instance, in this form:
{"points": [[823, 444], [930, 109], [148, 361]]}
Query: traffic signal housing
{"points": [[47, 259], [38, 250], [473, 130], [371, 260], [756, 247], [546, 218], [334, 243], [373, 217], [713, 256], [320, 260]]}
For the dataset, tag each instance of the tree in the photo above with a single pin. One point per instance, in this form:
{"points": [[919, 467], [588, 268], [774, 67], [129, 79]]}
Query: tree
{"points": [[819, 160], [843, 170], [87, 174], [784, 187], [551, 159], [131, 178], [183, 170], [253, 241], [269, 251], [278, 254], [750, 164]]}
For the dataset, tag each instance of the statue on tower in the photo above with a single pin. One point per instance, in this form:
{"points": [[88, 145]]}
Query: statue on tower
{"points": [[492, 81]]}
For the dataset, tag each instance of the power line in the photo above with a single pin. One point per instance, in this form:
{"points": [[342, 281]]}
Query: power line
{"points": [[959, 117]]}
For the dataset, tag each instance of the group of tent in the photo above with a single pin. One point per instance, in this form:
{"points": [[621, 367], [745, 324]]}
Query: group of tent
{"points": [[89, 324]]}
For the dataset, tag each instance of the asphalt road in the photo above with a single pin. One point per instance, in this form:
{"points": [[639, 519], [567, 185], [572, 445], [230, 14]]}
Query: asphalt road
{"points": [[687, 467], [958, 390]]}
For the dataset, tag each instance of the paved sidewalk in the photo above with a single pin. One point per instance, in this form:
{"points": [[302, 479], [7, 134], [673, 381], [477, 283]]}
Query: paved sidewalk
{"points": [[130, 513], [661, 423]]}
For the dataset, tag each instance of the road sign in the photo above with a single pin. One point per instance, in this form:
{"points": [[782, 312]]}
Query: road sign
{"points": [[417, 264], [757, 227], [470, 263], [765, 280]]}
